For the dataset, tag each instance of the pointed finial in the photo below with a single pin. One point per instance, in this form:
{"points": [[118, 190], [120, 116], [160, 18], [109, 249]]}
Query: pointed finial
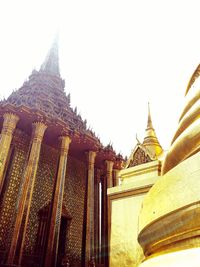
{"points": [[149, 122], [136, 137], [51, 63]]}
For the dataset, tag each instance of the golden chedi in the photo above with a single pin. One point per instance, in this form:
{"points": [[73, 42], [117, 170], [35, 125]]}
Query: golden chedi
{"points": [[169, 224]]}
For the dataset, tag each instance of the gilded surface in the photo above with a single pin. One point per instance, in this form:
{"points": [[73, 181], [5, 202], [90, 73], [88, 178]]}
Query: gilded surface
{"points": [[151, 141], [195, 75], [178, 188], [126, 201], [124, 248], [169, 219], [186, 140], [147, 151], [174, 198]]}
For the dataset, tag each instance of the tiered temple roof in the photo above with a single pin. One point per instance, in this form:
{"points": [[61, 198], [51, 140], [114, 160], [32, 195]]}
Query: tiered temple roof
{"points": [[43, 97]]}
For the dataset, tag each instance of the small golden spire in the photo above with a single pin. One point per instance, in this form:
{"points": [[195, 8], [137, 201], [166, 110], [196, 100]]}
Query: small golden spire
{"points": [[149, 122], [151, 141]]}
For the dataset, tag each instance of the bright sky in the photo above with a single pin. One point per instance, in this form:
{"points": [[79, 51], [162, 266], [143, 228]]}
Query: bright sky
{"points": [[115, 56]]}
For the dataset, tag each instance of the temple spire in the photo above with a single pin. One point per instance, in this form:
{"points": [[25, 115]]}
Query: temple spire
{"points": [[51, 62], [149, 122], [151, 141]]}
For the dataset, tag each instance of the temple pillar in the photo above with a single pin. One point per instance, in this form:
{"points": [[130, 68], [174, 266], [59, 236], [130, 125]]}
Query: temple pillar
{"points": [[116, 177], [89, 246], [107, 183], [97, 202], [56, 206], [109, 169], [9, 125], [25, 197]]}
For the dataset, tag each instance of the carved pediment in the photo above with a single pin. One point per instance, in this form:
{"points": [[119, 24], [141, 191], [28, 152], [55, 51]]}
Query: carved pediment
{"points": [[139, 157]]}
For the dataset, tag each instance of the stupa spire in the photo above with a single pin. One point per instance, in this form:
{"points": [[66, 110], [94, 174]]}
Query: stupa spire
{"points": [[149, 122], [151, 141], [51, 62]]}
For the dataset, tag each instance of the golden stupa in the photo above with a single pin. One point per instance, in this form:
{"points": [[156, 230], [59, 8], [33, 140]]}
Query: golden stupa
{"points": [[169, 224]]}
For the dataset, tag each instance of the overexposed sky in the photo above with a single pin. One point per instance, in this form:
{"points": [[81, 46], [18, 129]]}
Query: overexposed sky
{"points": [[115, 56]]}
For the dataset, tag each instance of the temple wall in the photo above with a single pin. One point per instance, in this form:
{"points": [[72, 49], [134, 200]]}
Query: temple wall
{"points": [[74, 196], [42, 193], [124, 208], [20, 144], [74, 200]]}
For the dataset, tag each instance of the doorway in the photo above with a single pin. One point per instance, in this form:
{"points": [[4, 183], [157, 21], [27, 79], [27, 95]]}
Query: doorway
{"points": [[62, 241], [63, 234]]}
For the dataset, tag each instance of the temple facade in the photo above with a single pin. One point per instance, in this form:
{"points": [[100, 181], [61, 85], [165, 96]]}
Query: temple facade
{"points": [[54, 175]]}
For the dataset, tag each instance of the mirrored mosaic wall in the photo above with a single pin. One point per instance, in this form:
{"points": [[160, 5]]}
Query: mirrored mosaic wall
{"points": [[74, 197]]}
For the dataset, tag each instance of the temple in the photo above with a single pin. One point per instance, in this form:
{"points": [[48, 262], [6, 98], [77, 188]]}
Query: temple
{"points": [[54, 175], [67, 200]]}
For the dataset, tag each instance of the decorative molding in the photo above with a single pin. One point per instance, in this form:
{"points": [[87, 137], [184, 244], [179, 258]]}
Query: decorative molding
{"points": [[129, 192], [165, 232]]}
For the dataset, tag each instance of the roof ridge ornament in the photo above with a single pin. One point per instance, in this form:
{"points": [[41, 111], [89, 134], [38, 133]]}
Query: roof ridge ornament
{"points": [[138, 141]]}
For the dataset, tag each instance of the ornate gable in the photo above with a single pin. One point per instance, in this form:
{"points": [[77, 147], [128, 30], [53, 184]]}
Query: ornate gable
{"points": [[140, 156]]}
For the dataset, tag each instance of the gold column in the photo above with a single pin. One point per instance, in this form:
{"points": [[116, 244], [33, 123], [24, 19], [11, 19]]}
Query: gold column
{"points": [[109, 169], [9, 125], [116, 177], [26, 194], [89, 246], [56, 207]]}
